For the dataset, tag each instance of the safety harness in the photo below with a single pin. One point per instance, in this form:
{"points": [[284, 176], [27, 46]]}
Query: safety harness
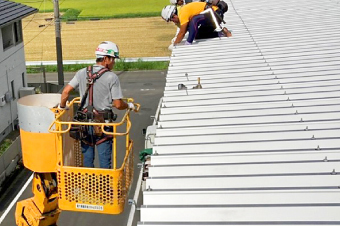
{"points": [[211, 2], [212, 15], [90, 114], [90, 111]]}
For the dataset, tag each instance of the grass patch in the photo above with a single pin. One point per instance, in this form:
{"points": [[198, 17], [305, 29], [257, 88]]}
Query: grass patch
{"points": [[119, 66], [103, 8], [5, 144], [71, 14], [141, 65]]}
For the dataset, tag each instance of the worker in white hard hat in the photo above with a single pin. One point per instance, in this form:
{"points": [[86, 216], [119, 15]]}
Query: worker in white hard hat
{"points": [[178, 4], [199, 19], [106, 94]]}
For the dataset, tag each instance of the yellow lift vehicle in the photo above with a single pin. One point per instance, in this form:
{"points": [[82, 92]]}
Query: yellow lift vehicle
{"points": [[60, 182]]}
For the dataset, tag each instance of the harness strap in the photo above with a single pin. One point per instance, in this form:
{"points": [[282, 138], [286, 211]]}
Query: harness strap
{"points": [[105, 138], [91, 78]]}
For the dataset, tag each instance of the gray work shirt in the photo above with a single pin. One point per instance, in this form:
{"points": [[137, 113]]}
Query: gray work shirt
{"points": [[105, 89]]}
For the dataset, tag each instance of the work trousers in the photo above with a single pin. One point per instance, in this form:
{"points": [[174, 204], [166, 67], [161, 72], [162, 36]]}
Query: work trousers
{"points": [[200, 27], [104, 151]]}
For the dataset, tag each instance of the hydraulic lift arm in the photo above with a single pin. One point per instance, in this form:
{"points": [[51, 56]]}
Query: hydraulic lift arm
{"points": [[42, 209]]}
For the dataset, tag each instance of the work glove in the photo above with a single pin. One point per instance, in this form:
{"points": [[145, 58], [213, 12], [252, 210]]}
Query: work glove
{"points": [[171, 47], [173, 40], [63, 108], [131, 106]]}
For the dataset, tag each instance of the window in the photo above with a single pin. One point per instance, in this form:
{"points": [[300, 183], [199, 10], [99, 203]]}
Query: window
{"points": [[7, 36], [17, 32], [11, 34], [23, 79], [13, 90]]}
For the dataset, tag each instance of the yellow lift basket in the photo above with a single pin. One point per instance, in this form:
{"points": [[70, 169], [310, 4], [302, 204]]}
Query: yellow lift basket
{"points": [[93, 190]]}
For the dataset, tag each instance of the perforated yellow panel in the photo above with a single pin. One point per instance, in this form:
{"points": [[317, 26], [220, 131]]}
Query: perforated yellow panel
{"points": [[93, 189], [77, 153]]}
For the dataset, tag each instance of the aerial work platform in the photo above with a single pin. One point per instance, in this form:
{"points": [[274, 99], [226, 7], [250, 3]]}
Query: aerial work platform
{"points": [[60, 181]]}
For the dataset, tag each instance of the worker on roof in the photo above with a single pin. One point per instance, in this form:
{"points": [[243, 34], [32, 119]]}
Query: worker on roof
{"points": [[106, 93], [179, 4], [200, 19]]}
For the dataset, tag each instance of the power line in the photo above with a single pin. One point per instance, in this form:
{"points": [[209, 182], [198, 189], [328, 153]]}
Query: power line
{"points": [[32, 1], [24, 44], [106, 20], [62, 3], [33, 16], [95, 19]]}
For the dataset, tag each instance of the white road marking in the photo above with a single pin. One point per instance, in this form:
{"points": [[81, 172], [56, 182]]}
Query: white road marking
{"points": [[16, 199], [147, 89], [135, 198]]}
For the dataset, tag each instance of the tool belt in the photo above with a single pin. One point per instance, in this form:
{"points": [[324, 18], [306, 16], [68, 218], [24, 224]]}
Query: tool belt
{"points": [[86, 115], [79, 132], [82, 132]]}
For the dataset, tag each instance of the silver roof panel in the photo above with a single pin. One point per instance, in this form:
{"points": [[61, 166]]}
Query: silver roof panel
{"points": [[259, 144]]}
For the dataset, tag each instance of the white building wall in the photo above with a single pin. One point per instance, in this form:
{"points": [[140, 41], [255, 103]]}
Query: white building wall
{"points": [[12, 67]]}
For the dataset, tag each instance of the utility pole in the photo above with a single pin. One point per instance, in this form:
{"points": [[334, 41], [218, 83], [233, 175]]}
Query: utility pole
{"points": [[58, 43]]}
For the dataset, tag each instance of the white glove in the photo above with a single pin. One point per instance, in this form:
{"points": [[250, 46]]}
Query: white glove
{"points": [[63, 108], [173, 40], [131, 106], [171, 47]]}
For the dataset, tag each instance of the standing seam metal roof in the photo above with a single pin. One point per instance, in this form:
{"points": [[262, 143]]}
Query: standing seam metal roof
{"points": [[259, 144]]}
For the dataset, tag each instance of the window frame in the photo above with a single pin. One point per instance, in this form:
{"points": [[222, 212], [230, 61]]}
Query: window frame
{"points": [[13, 90], [16, 36]]}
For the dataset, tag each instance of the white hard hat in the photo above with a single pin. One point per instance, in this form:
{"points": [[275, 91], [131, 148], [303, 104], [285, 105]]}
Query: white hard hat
{"points": [[107, 48], [167, 12], [173, 2]]}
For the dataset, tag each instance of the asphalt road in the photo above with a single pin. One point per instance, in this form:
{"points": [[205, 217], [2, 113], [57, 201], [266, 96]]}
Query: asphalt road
{"points": [[146, 87]]}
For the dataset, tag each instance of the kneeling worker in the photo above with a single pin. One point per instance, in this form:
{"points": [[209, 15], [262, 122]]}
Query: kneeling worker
{"points": [[195, 16], [106, 93]]}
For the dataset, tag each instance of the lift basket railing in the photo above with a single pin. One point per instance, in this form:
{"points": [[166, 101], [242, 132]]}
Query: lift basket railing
{"points": [[91, 189]]}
